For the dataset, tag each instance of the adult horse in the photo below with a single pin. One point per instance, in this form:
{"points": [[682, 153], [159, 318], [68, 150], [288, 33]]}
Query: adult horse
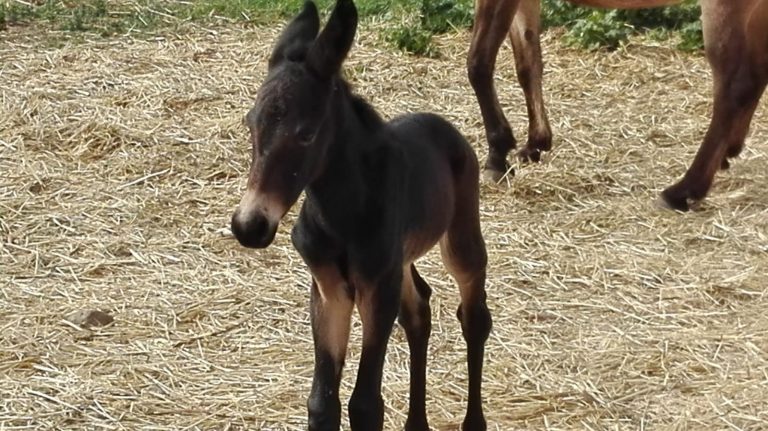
{"points": [[736, 44]]}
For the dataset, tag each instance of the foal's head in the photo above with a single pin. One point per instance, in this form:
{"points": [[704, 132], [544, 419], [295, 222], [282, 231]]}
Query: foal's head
{"points": [[292, 123]]}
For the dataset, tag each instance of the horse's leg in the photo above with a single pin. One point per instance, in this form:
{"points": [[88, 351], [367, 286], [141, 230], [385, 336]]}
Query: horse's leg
{"points": [[416, 319], [492, 21], [524, 36], [739, 81], [735, 144], [757, 35], [464, 255], [377, 303], [330, 312]]}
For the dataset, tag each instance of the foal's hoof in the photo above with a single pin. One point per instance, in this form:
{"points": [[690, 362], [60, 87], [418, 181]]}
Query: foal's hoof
{"points": [[476, 423], [416, 424], [529, 154]]}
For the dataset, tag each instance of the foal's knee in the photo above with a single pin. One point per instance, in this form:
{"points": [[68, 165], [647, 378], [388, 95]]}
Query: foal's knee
{"points": [[415, 313], [417, 322], [475, 321]]}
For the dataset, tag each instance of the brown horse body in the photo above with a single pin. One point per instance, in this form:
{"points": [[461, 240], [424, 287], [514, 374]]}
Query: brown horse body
{"points": [[736, 43]]}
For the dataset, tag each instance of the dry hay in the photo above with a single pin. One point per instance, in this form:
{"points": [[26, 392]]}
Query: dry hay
{"points": [[122, 160]]}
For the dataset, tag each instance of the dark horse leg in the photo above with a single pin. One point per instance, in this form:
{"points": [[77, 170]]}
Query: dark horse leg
{"points": [[526, 43], [416, 319], [377, 301], [739, 69], [492, 21], [330, 311], [464, 255]]}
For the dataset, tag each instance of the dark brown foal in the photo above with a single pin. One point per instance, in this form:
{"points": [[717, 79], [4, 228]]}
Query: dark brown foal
{"points": [[378, 196]]}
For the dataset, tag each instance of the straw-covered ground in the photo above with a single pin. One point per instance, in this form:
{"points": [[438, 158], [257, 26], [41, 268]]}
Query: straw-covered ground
{"points": [[122, 160]]}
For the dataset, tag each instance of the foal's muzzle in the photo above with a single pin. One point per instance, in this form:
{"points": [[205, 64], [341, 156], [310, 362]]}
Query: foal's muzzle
{"points": [[253, 230]]}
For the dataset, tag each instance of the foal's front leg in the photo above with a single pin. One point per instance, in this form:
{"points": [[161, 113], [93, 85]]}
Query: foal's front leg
{"points": [[378, 303], [331, 310]]}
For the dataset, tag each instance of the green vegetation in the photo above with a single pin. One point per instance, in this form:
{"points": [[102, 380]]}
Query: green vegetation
{"points": [[603, 28], [440, 16], [412, 39], [586, 27], [413, 22], [432, 17]]}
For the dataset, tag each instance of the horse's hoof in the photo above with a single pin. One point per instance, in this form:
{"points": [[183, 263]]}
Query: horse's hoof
{"points": [[529, 154], [725, 164], [474, 424], [416, 424], [541, 142], [662, 203], [672, 200], [493, 176]]}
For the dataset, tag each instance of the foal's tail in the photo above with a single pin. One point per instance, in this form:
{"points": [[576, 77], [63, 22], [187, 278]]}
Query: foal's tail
{"points": [[625, 4]]}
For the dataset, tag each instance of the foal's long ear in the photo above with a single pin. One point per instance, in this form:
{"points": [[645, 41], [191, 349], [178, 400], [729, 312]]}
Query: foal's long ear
{"points": [[297, 34], [331, 47]]}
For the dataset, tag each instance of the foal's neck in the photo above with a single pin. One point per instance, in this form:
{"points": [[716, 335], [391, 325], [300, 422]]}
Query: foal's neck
{"points": [[357, 129]]}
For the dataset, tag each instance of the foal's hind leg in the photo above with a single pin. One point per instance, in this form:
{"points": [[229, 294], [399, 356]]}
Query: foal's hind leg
{"points": [[464, 255], [416, 319], [465, 258], [524, 36], [492, 21]]}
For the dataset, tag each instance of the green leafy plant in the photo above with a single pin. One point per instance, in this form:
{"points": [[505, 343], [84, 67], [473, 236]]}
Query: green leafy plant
{"points": [[558, 13], [604, 28], [691, 37], [14, 13], [440, 16], [414, 40], [599, 30]]}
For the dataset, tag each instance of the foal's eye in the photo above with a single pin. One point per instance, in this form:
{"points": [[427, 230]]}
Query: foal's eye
{"points": [[305, 135]]}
